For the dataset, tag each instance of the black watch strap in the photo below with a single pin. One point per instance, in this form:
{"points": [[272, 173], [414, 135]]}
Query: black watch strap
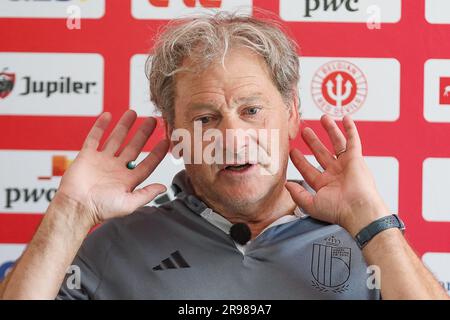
{"points": [[384, 223]]}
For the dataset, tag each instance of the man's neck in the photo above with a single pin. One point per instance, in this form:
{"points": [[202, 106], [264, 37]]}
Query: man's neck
{"points": [[259, 216]]}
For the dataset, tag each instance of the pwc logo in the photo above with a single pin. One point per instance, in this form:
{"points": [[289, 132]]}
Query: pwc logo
{"points": [[29, 189], [170, 9], [91, 9], [341, 86], [59, 166], [362, 11], [51, 84]]}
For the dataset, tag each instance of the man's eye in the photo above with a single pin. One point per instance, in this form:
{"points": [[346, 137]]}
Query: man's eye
{"points": [[204, 119], [252, 110]]}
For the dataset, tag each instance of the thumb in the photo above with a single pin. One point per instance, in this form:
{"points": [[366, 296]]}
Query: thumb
{"points": [[301, 197], [140, 197]]}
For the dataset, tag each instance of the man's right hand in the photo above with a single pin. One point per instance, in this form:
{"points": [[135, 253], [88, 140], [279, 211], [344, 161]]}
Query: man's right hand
{"points": [[99, 180], [97, 186]]}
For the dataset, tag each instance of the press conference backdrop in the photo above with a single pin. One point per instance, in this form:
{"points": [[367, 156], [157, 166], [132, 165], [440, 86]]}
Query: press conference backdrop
{"points": [[386, 62]]}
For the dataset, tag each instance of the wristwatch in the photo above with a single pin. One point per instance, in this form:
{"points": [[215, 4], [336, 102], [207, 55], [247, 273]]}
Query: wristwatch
{"points": [[384, 223]]}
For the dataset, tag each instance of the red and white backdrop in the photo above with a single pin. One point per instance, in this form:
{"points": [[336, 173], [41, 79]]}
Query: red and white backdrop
{"points": [[387, 62]]}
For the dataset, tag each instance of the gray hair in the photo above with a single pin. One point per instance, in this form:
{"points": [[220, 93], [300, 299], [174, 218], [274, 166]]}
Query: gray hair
{"points": [[206, 39]]}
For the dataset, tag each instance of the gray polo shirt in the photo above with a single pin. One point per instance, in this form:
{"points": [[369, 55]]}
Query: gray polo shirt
{"points": [[182, 250]]}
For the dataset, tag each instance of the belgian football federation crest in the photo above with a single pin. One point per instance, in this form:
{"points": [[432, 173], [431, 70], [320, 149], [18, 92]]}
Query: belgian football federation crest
{"points": [[6, 83], [330, 266], [339, 88]]}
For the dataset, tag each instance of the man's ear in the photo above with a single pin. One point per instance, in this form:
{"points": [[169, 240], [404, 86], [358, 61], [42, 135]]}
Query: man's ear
{"points": [[294, 117]]}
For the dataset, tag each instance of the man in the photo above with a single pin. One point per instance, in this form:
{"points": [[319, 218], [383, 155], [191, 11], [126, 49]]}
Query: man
{"points": [[237, 229]]}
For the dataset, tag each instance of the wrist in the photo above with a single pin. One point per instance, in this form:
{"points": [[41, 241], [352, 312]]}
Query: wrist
{"points": [[70, 212], [362, 215]]}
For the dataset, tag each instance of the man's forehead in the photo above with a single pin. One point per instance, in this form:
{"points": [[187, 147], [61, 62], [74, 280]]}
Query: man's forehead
{"points": [[208, 103]]}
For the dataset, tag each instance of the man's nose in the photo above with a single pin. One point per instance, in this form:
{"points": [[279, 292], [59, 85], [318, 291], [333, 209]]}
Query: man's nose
{"points": [[236, 135]]}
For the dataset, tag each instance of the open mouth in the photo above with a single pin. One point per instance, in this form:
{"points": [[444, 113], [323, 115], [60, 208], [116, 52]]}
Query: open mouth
{"points": [[238, 167]]}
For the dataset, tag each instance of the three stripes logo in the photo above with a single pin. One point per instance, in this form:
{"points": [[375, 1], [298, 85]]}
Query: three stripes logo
{"points": [[175, 261]]}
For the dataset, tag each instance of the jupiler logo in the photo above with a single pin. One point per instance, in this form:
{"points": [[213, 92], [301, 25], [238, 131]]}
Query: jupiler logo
{"points": [[7, 81]]}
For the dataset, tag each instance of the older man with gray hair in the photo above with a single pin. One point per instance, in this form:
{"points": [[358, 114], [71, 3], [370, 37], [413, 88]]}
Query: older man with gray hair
{"points": [[234, 230]]}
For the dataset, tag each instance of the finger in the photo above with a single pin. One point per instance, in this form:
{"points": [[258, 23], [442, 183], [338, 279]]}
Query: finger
{"points": [[306, 169], [119, 132], [96, 133], [151, 161], [301, 197], [337, 138], [323, 156], [140, 197], [137, 143], [353, 142]]}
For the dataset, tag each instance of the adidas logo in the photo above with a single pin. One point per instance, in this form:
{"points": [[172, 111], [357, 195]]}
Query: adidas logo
{"points": [[175, 261]]}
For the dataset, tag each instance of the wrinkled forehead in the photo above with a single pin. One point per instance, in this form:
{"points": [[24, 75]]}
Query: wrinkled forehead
{"points": [[241, 70]]}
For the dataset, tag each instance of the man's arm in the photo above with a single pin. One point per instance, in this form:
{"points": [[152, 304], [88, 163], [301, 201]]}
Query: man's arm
{"points": [[346, 195], [403, 275], [43, 265], [96, 187]]}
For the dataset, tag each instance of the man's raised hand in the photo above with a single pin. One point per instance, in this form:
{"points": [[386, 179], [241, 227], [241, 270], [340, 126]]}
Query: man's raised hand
{"points": [[99, 180], [345, 190]]}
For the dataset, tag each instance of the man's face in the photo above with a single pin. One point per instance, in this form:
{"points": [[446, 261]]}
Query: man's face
{"points": [[240, 97]]}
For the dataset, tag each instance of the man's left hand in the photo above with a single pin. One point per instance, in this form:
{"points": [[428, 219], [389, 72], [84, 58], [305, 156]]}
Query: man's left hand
{"points": [[345, 191]]}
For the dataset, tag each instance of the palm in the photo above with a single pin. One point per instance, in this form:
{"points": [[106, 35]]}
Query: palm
{"points": [[345, 184], [100, 180]]}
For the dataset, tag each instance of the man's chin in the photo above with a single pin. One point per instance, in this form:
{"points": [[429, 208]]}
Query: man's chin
{"points": [[250, 193]]}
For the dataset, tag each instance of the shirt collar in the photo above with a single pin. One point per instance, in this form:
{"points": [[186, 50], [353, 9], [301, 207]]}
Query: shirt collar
{"points": [[183, 190]]}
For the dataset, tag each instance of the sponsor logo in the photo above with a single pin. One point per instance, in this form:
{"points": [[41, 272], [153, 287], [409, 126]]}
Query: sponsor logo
{"points": [[170, 9], [444, 91], [51, 84], [59, 166], [362, 11], [174, 261], [189, 3], [7, 81], [330, 266], [29, 189], [64, 85], [339, 88], [32, 190], [437, 90], [89, 9]]}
